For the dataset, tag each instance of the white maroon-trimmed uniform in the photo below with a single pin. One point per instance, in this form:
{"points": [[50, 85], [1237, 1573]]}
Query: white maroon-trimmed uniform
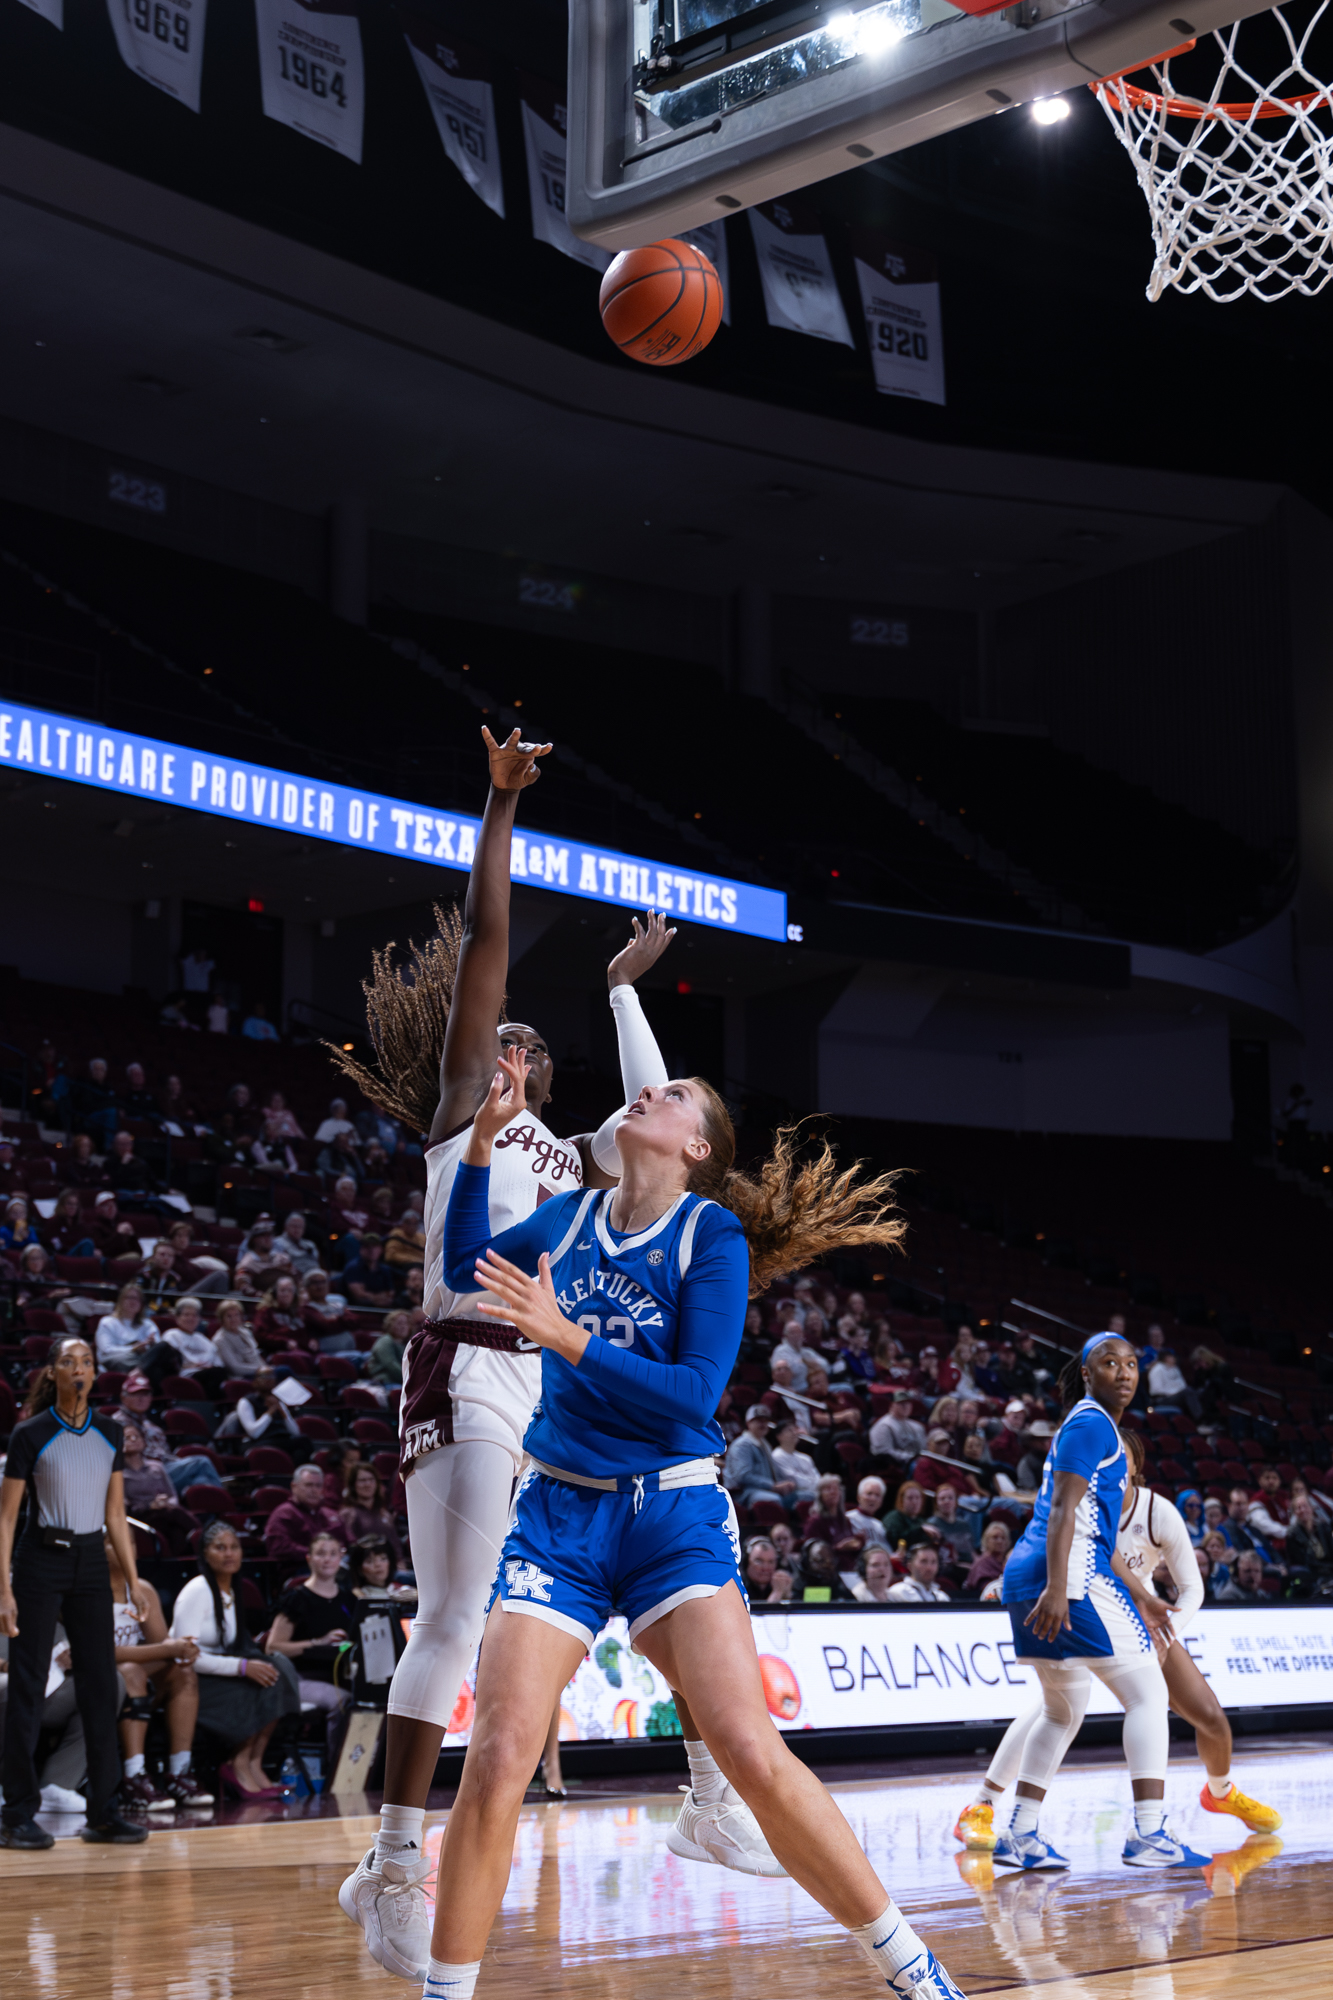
{"points": [[1154, 1532], [453, 1392]]}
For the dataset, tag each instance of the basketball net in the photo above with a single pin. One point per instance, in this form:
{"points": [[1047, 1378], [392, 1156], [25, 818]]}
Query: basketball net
{"points": [[1240, 184]]}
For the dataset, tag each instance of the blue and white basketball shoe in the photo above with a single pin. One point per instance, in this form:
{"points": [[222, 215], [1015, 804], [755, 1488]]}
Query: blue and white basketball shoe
{"points": [[925, 1979], [1025, 1850], [1160, 1850]]}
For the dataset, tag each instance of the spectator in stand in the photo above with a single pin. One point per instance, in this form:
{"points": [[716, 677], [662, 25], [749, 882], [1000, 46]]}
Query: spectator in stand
{"points": [[368, 1280], [791, 1349], [278, 1113], [1206, 1575], [375, 1170], [783, 1537], [176, 1110], [1323, 1505], [336, 1126], [405, 1243], [279, 1319], [996, 1543], [124, 1336], [159, 1278], [196, 1353], [988, 1375], [217, 1015], [242, 1695], [337, 1161], [775, 1400], [157, 1671], [819, 1580], [1168, 1389], [1220, 1554], [38, 1285], [920, 1585], [926, 1376], [384, 1365], [256, 1257], [325, 1315], [906, 1522], [93, 1104], [765, 1581], [932, 1466], [112, 1233], [197, 972], [865, 1515], [366, 1511], [1269, 1514], [892, 1368], [987, 1479], [829, 1522], [1005, 1373], [1036, 1445], [291, 1527], [969, 1421], [150, 1494], [793, 1464], [854, 1357], [951, 1530], [1189, 1505], [292, 1247], [270, 1153], [346, 1215], [1309, 1547], [313, 1621], [256, 1027], [944, 1417], [10, 1175], [1247, 1582], [748, 1471], [66, 1234], [337, 1459], [897, 1434], [1235, 1527], [16, 1231], [136, 1402], [136, 1099], [414, 1288], [125, 1171], [260, 1413], [237, 1349], [1006, 1443], [874, 1576]]}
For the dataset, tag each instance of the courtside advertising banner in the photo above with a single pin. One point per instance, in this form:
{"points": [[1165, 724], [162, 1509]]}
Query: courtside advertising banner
{"points": [[456, 80], [711, 238], [311, 71], [163, 42], [113, 760], [544, 126], [800, 290], [872, 1669], [900, 296]]}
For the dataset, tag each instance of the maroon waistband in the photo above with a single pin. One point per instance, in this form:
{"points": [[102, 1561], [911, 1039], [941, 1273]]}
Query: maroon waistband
{"points": [[467, 1332]]}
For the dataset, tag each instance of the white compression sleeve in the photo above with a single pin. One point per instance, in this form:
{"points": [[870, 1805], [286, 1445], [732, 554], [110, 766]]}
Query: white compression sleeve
{"points": [[640, 1062], [1065, 1687], [1139, 1687]]}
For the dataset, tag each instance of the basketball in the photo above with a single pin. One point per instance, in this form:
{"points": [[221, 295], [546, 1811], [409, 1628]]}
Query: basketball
{"points": [[661, 304]]}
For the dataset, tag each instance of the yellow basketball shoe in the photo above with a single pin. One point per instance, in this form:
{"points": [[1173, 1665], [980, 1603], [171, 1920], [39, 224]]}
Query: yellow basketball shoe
{"points": [[976, 1828], [1259, 1819]]}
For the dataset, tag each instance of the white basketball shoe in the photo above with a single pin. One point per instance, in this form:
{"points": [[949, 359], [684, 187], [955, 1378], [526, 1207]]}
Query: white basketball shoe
{"points": [[390, 1905], [726, 1833]]}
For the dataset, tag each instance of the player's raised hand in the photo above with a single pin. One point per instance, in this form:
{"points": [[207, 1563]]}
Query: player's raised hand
{"points": [[649, 941], [505, 1099], [513, 762], [530, 1304]]}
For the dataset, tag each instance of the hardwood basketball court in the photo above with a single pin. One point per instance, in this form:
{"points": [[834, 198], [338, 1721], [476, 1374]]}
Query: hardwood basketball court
{"points": [[598, 1907]]}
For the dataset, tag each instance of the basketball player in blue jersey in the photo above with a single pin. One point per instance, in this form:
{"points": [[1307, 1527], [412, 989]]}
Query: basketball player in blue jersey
{"points": [[1074, 1605], [637, 1298]]}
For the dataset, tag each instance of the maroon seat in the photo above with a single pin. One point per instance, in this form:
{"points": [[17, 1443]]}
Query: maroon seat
{"points": [[767, 1513], [268, 1458], [356, 1396], [386, 1464], [1251, 1449], [202, 1499], [1237, 1473], [109, 1383], [294, 1358], [78, 1270], [43, 1320], [371, 1430], [184, 1424], [1286, 1471], [180, 1389], [316, 1427], [1207, 1471], [36, 1347], [335, 1368], [265, 1498], [234, 1388]]}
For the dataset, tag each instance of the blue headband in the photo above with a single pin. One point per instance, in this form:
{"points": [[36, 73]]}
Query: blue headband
{"points": [[1095, 1342]]}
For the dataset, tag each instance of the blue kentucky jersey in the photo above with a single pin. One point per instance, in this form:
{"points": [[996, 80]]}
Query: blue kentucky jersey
{"points": [[1089, 1444], [665, 1307]]}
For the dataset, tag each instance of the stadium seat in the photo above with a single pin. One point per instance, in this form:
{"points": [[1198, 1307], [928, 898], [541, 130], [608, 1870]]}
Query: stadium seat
{"points": [[356, 1396], [180, 1389], [767, 1513], [184, 1424], [316, 1427], [265, 1498], [336, 1368], [372, 1430], [263, 1458], [234, 1388], [36, 1346], [201, 1499], [78, 1270]]}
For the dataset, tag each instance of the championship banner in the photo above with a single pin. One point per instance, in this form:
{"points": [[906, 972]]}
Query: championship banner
{"points": [[711, 238], [311, 70], [800, 290], [900, 296], [544, 128], [54, 746], [50, 10], [890, 1668], [456, 80], [163, 42]]}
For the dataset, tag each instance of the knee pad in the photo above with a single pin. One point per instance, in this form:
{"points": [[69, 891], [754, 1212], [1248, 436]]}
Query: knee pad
{"points": [[138, 1708]]}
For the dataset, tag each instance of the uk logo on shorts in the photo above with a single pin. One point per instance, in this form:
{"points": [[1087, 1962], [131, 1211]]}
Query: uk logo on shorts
{"points": [[524, 1579]]}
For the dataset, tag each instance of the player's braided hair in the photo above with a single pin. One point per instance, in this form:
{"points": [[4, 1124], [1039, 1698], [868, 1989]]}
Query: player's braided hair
{"points": [[407, 1012], [793, 1211]]}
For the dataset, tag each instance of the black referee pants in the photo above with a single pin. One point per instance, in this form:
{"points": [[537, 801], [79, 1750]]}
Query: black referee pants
{"points": [[70, 1587]]}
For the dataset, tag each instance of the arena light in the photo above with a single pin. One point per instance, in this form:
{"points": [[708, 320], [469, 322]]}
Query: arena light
{"points": [[74, 750], [1050, 110]]}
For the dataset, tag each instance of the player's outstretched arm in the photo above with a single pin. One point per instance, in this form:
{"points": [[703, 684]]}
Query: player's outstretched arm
{"points": [[471, 1041], [640, 1058]]}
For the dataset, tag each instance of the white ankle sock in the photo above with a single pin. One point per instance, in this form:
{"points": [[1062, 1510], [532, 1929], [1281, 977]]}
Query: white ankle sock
{"points": [[133, 1766], [985, 1796], [450, 1982], [1149, 1815], [178, 1761], [706, 1781], [1026, 1814], [1219, 1787], [889, 1943], [400, 1827]]}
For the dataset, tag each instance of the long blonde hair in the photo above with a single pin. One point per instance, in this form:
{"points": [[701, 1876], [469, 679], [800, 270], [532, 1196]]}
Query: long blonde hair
{"points": [[793, 1211], [407, 1013]]}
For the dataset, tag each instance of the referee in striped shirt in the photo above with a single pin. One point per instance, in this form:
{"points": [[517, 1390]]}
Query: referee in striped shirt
{"points": [[68, 1462]]}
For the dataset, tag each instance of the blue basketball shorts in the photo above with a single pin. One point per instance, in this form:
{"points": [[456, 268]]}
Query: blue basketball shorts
{"points": [[1106, 1627], [575, 1556]]}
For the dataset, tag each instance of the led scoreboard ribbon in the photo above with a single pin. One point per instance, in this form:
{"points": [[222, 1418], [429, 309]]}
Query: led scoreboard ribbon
{"points": [[143, 767]]}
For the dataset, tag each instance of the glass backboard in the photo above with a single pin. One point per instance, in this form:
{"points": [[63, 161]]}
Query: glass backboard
{"points": [[681, 111]]}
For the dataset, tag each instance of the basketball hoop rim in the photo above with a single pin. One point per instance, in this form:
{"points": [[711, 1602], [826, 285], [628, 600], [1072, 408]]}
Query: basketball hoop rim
{"points": [[1130, 95]]}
